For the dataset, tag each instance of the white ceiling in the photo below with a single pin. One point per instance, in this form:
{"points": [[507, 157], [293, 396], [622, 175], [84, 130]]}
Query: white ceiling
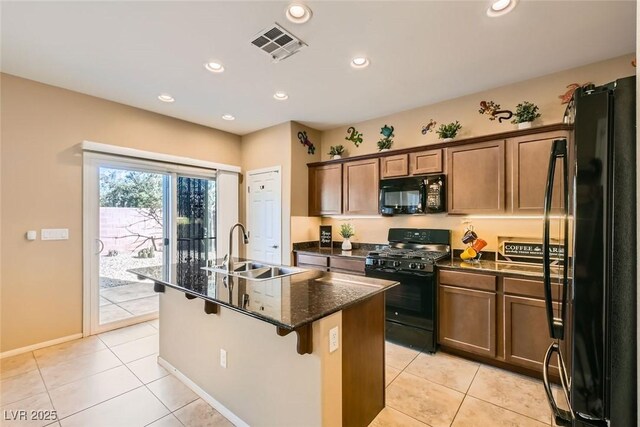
{"points": [[421, 52]]}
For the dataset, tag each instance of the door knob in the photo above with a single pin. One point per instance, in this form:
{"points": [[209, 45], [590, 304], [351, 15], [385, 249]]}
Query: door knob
{"points": [[275, 246]]}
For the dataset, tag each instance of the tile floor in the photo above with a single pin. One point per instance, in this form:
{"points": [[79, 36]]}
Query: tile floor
{"points": [[113, 379]]}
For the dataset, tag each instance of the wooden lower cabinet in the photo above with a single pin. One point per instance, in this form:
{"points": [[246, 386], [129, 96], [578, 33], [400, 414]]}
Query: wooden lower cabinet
{"points": [[499, 320], [336, 264], [467, 320], [526, 332]]}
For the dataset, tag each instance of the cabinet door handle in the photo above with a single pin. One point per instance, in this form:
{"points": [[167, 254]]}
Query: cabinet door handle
{"points": [[275, 246]]}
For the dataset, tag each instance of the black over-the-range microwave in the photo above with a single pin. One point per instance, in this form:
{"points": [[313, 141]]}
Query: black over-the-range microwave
{"points": [[413, 195]]}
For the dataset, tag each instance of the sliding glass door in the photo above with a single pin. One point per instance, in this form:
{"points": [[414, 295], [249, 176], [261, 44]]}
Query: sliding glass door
{"points": [[141, 214]]}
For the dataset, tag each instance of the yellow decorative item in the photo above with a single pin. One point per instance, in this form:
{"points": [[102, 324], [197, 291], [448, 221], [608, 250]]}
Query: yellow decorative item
{"points": [[468, 253]]}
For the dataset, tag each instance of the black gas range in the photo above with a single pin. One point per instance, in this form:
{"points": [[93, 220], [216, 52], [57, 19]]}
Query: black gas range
{"points": [[410, 259]]}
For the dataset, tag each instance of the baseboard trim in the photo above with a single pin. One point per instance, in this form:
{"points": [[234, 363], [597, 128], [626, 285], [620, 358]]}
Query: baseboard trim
{"points": [[38, 346], [203, 394]]}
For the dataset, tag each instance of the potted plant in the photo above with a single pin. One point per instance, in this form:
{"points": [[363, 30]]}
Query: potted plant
{"points": [[386, 141], [526, 112], [448, 131], [347, 232], [336, 151]]}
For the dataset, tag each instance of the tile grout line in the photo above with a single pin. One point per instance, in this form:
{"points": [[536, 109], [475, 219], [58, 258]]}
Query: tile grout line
{"points": [[509, 410], [145, 385], [458, 410]]}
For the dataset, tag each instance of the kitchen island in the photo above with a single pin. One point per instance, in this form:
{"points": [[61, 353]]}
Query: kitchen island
{"points": [[259, 351]]}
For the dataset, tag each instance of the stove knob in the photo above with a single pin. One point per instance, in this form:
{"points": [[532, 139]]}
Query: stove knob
{"points": [[396, 263], [421, 266], [413, 265], [380, 262]]}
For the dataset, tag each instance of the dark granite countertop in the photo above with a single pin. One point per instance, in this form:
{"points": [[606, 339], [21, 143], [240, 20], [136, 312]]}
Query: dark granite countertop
{"points": [[533, 271], [354, 253], [288, 302]]}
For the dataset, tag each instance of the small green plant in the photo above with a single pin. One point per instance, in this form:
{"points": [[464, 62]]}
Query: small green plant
{"points": [[346, 231], [449, 130], [336, 150], [385, 143], [525, 112]]}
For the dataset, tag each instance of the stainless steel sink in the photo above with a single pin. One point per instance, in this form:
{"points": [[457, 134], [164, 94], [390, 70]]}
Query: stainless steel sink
{"points": [[256, 271], [269, 272]]}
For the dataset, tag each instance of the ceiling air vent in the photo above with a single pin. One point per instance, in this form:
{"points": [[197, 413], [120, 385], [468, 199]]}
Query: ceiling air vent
{"points": [[277, 42]]}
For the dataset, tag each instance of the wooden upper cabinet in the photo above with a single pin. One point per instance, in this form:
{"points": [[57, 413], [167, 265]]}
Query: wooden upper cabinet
{"points": [[360, 186], [425, 162], [394, 166], [476, 178], [530, 165], [325, 190]]}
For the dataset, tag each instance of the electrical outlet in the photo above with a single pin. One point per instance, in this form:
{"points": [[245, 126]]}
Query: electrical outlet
{"points": [[54, 234], [333, 339], [223, 358]]}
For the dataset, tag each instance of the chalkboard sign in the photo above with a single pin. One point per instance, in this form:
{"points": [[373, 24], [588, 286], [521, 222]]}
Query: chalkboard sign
{"points": [[325, 236]]}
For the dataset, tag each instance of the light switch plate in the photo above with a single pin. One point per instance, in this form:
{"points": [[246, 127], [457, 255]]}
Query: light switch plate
{"points": [[54, 234], [334, 339], [223, 358]]}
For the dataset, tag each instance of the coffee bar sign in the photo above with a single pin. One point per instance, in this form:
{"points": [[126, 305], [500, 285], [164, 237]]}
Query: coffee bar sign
{"points": [[526, 250], [533, 250]]}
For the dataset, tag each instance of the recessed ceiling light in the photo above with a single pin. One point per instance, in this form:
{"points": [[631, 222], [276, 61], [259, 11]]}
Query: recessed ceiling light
{"points": [[165, 97], [501, 7], [360, 62], [228, 117], [280, 96], [214, 67], [298, 13]]}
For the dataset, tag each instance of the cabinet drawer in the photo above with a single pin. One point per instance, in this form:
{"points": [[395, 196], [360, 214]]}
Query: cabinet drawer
{"points": [[349, 264], [530, 288], [319, 260], [312, 267], [394, 166], [425, 162], [483, 282]]}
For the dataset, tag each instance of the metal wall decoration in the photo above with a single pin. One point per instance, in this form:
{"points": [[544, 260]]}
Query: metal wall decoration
{"points": [[494, 112], [566, 97], [429, 127], [354, 136], [304, 140]]}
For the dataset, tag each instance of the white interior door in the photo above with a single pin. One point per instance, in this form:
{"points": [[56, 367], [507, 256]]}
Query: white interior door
{"points": [[264, 215]]}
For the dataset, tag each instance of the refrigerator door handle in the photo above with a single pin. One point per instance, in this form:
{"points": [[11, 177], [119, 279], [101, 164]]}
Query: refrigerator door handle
{"points": [[562, 417], [556, 324]]}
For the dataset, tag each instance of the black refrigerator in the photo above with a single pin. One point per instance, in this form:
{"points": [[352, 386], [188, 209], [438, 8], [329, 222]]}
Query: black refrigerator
{"points": [[594, 326]]}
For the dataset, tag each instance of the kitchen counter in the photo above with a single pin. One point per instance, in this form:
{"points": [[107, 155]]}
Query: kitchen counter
{"points": [[316, 335], [301, 298], [485, 266], [334, 251]]}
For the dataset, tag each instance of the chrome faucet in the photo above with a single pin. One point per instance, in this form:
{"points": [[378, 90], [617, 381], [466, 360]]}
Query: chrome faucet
{"points": [[229, 256]]}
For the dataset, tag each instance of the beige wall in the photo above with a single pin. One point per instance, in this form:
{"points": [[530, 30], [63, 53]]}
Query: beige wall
{"points": [[266, 382], [542, 91], [279, 146], [42, 188], [263, 149]]}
